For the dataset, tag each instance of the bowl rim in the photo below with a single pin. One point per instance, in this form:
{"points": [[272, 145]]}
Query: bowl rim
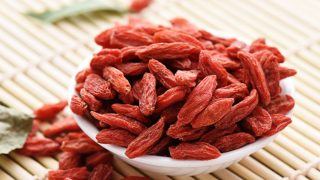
{"points": [[162, 161]]}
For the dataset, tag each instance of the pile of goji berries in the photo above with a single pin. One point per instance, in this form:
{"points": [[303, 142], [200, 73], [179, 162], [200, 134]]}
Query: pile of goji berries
{"points": [[181, 91], [80, 158]]}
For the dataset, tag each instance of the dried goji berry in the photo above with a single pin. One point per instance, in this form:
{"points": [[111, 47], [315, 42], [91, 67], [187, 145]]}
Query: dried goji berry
{"points": [[198, 100], [103, 39], [185, 26], [49, 111], [143, 25], [119, 137], [129, 53], [162, 145], [130, 111], [257, 77], [78, 106], [170, 114], [236, 46], [93, 103], [213, 112], [39, 146], [168, 36], [271, 72], [233, 141], [79, 173], [214, 134], [132, 68], [186, 78], [78, 87], [259, 46], [98, 87], [82, 75], [197, 151], [148, 99], [239, 111], [232, 80], [242, 76], [139, 5], [35, 127], [101, 172], [279, 122], [170, 97], [137, 89], [258, 122], [209, 66], [185, 133], [236, 91], [98, 62], [181, 64], [286, 72], [101, 157], [144, 142], [167, 51], [120, 121], [226, 62], [281, 105], [117, 79], [128, 98], [216, 40], [81, 145], [124, 36], [68, 160], [66, 125], [162, 74]]}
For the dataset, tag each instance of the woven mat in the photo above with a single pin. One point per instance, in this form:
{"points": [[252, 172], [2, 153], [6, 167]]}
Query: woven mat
{"points": [[37, 59]]}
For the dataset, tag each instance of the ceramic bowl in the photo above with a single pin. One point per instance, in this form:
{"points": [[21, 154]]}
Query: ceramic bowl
{"points": [[167, 165]]}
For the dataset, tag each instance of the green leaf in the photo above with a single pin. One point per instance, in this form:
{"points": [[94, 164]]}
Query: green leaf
{"points": [[81, 7], [14, 129]]}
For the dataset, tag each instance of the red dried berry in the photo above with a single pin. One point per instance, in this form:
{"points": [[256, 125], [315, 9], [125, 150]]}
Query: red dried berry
{"points": [[183, 25], [68, 160], [198, 100], [139, 5], [281, 105], [170, 97], [78, 106], [132, 68], [279, 122], [186, 78], [66, 125], [258, 122], [148, 99], [286, 72], [120, 121], [237, 91], [144, 142], [124, 36], [196, 151], [257, 77], [162, 74], [167, 51], [99, 87], [79, 173], [93, 103], [181, 64], [101, 172], [271, 72], [39, 146], [117, 137], [185, 133], [81, 145], [216, 110], [239, 111], [213, 135], [161, 146], [82, 75], [233, 141], [117, 79], [49, 111], [130, 111], [101, 157]]}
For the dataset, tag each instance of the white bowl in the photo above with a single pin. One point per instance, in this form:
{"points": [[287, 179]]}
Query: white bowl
{"points": [[167, 165]]}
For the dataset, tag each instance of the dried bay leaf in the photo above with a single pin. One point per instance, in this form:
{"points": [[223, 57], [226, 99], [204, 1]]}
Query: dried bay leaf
{"points": [[14, 129]]}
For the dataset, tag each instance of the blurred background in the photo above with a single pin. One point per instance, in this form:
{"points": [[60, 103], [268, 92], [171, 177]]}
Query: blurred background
{"points": [[37, 59]]}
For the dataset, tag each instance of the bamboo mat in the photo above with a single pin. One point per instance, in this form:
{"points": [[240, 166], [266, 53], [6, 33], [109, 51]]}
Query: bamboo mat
{"points": [[37, 60]]}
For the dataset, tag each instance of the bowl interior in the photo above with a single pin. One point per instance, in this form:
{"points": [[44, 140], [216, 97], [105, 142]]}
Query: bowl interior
{"points": [[91, 131]]}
